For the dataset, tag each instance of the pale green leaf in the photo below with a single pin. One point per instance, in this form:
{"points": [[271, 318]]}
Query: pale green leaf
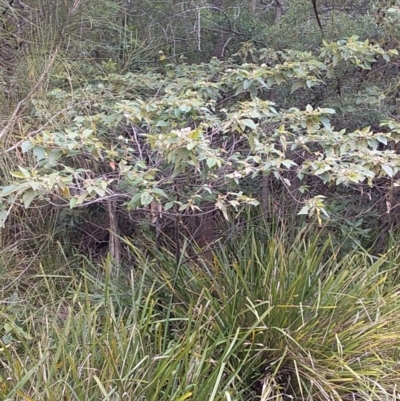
{"points": [[388, 170], [161, 123], [17, 174], [72, 202], [288, 163], [28, 197], [183, 207], [297, 84], [169, 205], [146, 198], [100, 191], [279, 78], [39, 152], [54, 155], [159, 191], [253, 202], [211, 162], [304, 210], [135, 199], [27, 145], [25, 172], [247, 84], [248, 123], [8, 190], [382, 139], [335, 59], [325, 121], [87, 132]]}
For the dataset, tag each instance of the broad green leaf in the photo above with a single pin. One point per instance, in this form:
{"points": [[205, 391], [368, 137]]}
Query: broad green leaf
{"points": [[82, 197], [169, 205], [135, 198], [54, 155], [159, 191], [279, 78], [249, 123], [373, 143], [328, 110], [28, 197], [27, 145], [87, 132], [253, 202], [388, 170], [146, 198], [288, 163], [79, 119], [296, 85], [73, 202], [69, 170], [247, 84], [261, 81], [17, 174], [325, 121], [183, 207], [304, 210], [161, 123], [252, 140], [100, 191], [342, 180], [234, 203], [25, 172], [39, 152], [195, 134], [8, 190], [382, 139], [211, 162]]}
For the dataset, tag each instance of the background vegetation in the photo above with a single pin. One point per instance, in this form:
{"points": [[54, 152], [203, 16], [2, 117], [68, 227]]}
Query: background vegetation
{"points": [[199, 200]]}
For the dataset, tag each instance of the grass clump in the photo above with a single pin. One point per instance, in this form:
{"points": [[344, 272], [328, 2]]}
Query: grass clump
{"points": [[262, 321]]}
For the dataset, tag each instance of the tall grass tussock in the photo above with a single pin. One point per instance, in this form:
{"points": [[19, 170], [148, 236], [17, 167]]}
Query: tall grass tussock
{"points": [[262, 321]]}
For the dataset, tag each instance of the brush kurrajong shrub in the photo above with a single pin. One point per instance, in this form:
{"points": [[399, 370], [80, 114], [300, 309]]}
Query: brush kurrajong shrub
{"points": [[136, 137]]}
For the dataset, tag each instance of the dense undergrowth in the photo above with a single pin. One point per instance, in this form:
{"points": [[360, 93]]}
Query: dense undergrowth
{"points": [[122, 136], [262, 320]]}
